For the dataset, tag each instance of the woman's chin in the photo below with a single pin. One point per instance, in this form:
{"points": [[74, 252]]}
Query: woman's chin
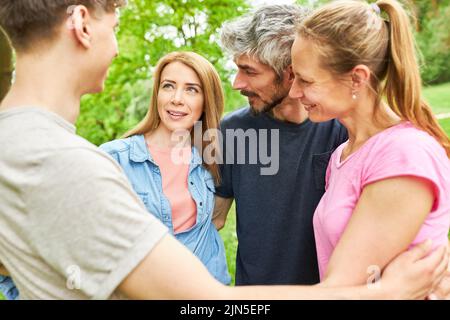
{"points": [[177, 128]]}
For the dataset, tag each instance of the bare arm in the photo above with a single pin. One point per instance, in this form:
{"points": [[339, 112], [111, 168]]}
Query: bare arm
{"points": [[384, 223], [170, 271], [221, 208]]}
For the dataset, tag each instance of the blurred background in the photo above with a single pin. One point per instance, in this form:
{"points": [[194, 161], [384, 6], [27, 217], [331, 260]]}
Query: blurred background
{"points": [[149, 29]]}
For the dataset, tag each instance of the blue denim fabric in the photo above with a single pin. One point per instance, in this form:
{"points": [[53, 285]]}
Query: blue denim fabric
{"points": [[145, 176], [8, 289]]}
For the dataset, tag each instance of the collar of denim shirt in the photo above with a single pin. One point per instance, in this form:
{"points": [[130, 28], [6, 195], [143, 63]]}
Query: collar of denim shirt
{"points": [[139, 152]]}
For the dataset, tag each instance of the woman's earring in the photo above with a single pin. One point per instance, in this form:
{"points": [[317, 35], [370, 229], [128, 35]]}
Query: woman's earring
{"points": [[354, 96]]}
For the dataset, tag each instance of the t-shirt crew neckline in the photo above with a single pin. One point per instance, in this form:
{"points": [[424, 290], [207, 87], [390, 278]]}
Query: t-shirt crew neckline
{"points": [[286, 125], [44, 112], [340, 164]]}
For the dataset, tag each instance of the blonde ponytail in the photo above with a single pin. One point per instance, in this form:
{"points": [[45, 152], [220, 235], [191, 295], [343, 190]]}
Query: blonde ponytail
{"points": [[348, 33], [403, 86]]}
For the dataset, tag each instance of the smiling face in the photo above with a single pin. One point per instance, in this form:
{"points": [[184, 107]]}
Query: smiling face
{"points": [[180, 97], [323, 95], [260, 84]]}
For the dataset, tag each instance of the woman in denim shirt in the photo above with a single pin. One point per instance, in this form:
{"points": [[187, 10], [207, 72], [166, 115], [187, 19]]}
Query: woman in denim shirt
{"points": [[171, 176], [174, 181]]}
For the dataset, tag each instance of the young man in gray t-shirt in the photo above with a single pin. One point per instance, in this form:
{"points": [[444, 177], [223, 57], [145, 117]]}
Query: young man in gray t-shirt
{"points": [[71, 227]]}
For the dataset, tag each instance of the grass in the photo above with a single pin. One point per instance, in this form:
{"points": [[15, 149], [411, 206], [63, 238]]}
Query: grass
{"points": [[438, 97], [445, 123], [228, 234]]}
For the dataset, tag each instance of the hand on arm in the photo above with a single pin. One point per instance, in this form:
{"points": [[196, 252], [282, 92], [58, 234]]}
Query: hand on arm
{"points": [[221, 208], [170, 271], [415, 273], [384, 223], [442, 291], [411, 275]]}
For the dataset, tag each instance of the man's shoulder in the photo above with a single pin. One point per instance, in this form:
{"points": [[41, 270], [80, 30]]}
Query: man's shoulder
{"points": [[36, 135], [238, 118], [331, 129], [333, 124]]}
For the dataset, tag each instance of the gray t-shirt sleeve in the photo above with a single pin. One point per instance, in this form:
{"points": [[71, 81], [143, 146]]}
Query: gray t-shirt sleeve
{"points": [[84, 216]]}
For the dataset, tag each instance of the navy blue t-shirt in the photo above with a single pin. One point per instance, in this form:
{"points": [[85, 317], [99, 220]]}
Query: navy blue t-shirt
{"points": [[275, 205]]}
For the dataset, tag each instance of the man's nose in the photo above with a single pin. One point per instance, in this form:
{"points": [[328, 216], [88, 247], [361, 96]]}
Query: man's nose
{"points": [[239, 82]]}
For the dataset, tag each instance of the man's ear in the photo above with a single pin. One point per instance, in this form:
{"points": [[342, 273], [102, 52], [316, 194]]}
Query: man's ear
{"points": [[288, 74], [79, 23]]}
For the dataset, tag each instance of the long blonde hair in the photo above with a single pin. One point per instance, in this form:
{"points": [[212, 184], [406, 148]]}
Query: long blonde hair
{"points": [[350, 32], [213, 106]]}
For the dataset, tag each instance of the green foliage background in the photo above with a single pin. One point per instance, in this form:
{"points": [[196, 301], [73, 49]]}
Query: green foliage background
{"points": [[150, 29], [433, 38]]}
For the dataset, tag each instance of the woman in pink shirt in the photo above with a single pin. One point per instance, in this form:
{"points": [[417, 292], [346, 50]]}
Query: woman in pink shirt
{"points": [[388, 186]]}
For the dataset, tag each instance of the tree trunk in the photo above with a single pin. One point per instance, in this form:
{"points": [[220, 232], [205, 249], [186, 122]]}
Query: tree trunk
{"points": [[6, 67]]}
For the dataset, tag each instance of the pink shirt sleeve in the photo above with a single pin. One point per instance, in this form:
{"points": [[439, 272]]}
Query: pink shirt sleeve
{"points": [[406, 153]]}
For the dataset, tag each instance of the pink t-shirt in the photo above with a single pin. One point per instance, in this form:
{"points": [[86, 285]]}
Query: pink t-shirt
{"points": [[174, 167], [402, 150]]}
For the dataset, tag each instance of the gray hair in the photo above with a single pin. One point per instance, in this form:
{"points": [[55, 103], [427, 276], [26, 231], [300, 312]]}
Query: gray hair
{"points": [[266, 34]]}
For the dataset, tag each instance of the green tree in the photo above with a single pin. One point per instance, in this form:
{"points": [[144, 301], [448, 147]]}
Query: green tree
{"points": [[433, 38], [148, 30], [432, 35]]}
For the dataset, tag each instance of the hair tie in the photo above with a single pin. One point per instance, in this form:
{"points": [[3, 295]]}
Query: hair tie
{"points": [[375, 8]]}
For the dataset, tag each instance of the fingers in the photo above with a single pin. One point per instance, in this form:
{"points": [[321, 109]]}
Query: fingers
{"points": [[443, 289], [446, 262], [420, 251], [435, 259], [440, 271], [448, 255], [433, 296], [441, 286]]}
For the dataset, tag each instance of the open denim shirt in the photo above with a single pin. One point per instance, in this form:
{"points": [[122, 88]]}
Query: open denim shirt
{"points": [[145, 176], [8, 288]]}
